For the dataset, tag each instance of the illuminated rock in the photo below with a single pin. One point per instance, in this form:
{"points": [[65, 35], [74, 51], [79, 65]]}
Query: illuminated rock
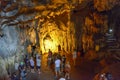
{"points": [[51, 36], [51, 26], [104, 5]]}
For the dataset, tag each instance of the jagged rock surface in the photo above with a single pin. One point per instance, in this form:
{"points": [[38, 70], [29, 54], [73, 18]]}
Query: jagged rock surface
{"points": [[68, 23]]}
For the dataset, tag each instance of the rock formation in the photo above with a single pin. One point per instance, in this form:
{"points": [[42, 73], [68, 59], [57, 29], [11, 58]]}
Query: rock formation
{"points": [[69, 24]]}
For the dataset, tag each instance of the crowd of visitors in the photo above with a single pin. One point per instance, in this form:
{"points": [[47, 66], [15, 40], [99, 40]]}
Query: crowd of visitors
{"points": [[62, 67], [57, 62]]}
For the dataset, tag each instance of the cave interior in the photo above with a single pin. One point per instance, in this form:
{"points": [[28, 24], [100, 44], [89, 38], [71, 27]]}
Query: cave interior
{"points": [[40, 25]]}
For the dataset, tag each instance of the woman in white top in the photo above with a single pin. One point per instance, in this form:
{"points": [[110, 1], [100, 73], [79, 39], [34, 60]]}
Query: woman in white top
{"points": [[32, 64], [38, 63], [57, 66]]}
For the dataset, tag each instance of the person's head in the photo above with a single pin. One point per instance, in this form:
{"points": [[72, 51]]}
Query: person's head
{"points": [[62, 78], [21, 63], [63, 55], [40, 52], [108, 76], [31, 57]]}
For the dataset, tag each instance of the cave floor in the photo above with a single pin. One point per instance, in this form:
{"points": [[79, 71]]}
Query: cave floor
{"points": [[84, 70]]}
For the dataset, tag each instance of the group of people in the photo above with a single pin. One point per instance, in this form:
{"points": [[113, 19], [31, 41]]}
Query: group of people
{"points": [[103, 76], [61, 65], [38, 63], [32, 63], [28, 63]]}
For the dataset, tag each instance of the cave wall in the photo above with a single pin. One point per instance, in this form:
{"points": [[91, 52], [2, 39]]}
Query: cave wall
{"points": [[9, 48], [68, 23], [33, 22], [57, 31], [93, 21]]}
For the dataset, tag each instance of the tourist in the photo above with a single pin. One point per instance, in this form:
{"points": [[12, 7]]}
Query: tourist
{"points": [[49, 57], [23, 74], [37, 55], [57, 66], [26, 60], [63, 59], [38, 63], [16, 63], [50, 52], [67, 70], [14, 76], [74, 55], [32, 64], [109, 76], [21, 65], [103, 77]]}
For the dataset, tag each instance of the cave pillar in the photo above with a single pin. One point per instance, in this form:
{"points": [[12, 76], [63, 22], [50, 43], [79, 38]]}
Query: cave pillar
{"points": [[36, 33]]}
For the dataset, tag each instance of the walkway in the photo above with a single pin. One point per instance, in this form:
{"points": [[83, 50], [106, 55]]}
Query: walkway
{"points": [[84, 70], [46, 72]]}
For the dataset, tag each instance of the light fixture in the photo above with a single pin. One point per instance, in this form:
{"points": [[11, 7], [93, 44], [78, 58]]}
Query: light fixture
{"points": [[110, 30]]}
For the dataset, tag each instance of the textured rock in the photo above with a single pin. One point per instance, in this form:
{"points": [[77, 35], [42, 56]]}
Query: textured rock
{"points": [[9, 47], [105, 5], [51, 20], [9, 42]]}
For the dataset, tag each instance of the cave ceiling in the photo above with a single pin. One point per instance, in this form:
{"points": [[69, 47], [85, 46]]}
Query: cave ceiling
{"points": [[58, 13], [53, 24], [49, 16], [11, 11]]}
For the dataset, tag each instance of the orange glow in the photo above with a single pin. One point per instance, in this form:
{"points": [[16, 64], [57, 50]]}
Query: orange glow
{"points": [[48, 44]]}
